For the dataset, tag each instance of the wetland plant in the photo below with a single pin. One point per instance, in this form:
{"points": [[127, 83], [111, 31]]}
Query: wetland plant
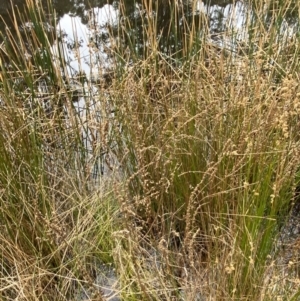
{"points": [[205, 137]]}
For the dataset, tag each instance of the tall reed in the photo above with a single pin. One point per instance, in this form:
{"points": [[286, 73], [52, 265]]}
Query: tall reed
{"points": [[206, 138], [48, 212], [209, 147]]}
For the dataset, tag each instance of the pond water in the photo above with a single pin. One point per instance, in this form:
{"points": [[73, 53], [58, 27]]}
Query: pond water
{"points": [[83, 29], [83, 25]]}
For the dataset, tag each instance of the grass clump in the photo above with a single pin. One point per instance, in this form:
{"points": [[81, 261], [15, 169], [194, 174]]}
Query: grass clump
{"points": [[206, 137], [210, 152], [55, 227]]}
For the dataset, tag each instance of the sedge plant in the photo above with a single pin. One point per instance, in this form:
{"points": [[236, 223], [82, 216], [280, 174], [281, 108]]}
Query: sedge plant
{"points": [[205, 136]]}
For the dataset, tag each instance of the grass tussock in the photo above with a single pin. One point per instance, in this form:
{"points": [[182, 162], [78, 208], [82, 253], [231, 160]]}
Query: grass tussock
{"points": [[202, 146]]}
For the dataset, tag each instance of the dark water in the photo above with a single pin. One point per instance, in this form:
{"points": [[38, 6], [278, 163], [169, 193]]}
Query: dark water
{"points": [[78, 8], [171, 35], [171, 41]]}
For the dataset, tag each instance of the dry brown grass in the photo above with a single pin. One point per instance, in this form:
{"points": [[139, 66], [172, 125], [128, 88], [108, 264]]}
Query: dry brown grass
{"points": [[203, 154]]}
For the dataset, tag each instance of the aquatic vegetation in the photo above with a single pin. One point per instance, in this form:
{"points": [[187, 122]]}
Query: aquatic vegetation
{"points": [[199, 145]]}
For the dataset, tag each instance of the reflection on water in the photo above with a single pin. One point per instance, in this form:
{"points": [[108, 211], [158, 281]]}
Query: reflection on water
{"points": [[222, 15], [84, 30], [130, 9]]}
